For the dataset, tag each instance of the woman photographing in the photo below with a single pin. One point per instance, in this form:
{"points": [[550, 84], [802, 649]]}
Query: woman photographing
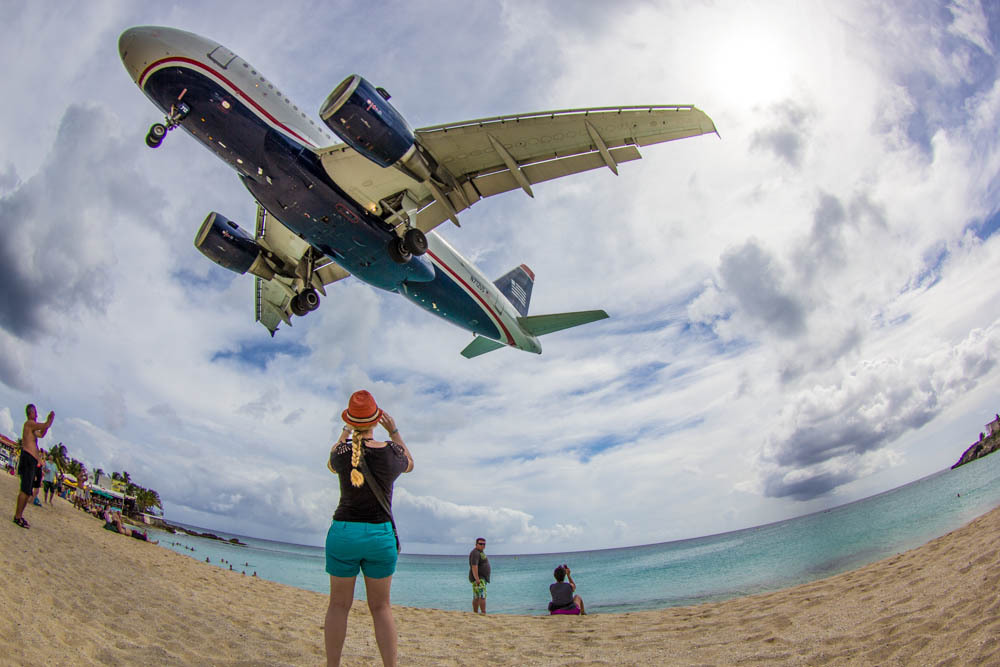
{"points": [[362, 535]]}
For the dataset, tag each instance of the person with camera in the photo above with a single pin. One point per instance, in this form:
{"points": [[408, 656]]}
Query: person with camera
{"points": [[563, 592], [362, 537]]}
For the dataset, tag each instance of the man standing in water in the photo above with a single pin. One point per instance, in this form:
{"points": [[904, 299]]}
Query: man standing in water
{"points": [[479, 575], [30, 458]]}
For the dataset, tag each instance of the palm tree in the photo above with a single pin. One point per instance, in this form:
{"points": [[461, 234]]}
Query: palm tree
{"points": [[59, 455], [146, 498]]}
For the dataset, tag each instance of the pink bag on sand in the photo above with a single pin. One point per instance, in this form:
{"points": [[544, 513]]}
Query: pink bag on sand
{"points": [[575, 611]]}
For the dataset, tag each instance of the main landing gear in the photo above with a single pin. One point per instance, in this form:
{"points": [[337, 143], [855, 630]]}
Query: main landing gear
{"points": [[304, 302], [158, 131], [414, 242]]}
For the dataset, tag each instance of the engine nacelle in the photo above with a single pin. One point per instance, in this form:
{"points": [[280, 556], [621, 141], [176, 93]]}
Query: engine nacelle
{"points": [[223, 242], [364, 119]]}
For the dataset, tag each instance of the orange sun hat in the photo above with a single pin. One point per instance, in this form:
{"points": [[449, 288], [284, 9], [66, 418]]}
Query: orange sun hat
{"points": [[362, 411]]}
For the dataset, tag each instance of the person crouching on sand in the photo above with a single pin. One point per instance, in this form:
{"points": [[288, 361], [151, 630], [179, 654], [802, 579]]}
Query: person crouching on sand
{"points": [[563, 592], [362, 535]]}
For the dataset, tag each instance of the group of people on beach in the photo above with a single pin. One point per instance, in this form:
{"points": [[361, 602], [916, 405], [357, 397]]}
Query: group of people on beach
{"points": [[37, 468], [363, 537]]}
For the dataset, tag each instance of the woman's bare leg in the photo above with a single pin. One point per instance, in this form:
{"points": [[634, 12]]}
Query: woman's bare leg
{"points": [[385, 627], [335, 627]]}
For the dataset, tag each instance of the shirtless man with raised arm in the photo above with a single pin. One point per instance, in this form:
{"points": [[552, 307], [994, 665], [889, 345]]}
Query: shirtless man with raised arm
{"points": [[30, 458]]}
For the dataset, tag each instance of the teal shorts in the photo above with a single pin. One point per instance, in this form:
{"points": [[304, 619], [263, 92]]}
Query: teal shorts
{"points": [[353, 546]]}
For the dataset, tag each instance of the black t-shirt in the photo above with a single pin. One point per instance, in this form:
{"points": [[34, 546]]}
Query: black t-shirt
{"points": [[359, 504], [477, 557]]}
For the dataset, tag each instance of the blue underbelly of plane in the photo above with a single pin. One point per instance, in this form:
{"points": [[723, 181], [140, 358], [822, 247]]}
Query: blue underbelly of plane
{"points": [[289, 180]]}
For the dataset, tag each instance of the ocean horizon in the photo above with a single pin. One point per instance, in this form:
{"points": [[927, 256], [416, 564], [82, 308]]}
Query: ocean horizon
{"points": [[685, 572]]}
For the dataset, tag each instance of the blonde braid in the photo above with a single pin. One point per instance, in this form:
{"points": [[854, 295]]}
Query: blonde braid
{"points": [[357, 479]]}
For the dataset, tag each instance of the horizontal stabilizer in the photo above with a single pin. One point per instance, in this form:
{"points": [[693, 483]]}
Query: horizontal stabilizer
{"points": [[539, 325], [480, 345]]}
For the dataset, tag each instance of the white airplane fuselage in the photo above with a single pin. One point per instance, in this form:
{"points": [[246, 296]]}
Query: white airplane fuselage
{"points": [[244, 119]]}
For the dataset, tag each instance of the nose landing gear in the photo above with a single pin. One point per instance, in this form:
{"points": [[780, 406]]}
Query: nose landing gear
{"points": [[158, 131]]}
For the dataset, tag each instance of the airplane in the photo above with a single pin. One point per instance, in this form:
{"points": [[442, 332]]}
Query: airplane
{"points": [[368, 206]]}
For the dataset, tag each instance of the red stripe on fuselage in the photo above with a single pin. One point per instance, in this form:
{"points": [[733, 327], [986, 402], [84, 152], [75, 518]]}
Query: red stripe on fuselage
{"points": [[247, 98], [475, 293]]}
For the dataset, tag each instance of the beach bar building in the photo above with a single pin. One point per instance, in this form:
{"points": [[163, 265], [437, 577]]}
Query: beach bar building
{"points": [[9, 450]]}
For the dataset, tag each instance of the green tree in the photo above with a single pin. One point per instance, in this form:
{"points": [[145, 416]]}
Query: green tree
{"points": [[146, 499], [60, 455]]}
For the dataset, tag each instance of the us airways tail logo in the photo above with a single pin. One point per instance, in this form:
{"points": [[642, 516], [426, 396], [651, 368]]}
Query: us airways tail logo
{"points": [[518, 292]]}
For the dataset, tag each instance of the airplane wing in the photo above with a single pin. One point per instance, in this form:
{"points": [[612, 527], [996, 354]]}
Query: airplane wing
{"points": [[484, 157], [291, 256]]}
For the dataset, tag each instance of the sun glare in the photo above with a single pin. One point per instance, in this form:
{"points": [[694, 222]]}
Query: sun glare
{"points": [[754, 63]]}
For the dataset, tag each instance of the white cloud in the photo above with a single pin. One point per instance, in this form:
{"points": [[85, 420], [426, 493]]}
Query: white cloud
{"points": [[7, 423]]}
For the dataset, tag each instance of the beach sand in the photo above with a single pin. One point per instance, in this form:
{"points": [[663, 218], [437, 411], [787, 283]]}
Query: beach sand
{"points": [[72, 593]]}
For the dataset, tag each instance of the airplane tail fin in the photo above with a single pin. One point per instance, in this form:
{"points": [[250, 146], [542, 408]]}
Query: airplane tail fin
{"points": [[539, 325], [516, 286]]}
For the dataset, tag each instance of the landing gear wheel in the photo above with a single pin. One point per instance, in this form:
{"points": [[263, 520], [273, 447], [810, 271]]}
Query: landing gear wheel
{"points": [[398, 252], [155, 136], [304, 302], [415, 241], [296, 307], [309, 298]]}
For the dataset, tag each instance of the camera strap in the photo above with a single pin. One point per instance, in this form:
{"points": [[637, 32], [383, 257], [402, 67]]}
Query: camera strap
{"points": [[379, 495]]}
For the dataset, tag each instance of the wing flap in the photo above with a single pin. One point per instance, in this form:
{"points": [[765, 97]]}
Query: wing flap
{"points": [[540, 172], [271, 304], [465, 148], [501, 181]]}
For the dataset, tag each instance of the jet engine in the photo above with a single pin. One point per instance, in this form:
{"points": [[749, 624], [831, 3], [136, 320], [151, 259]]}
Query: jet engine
{"points": [[361, 115], [223, 242]]}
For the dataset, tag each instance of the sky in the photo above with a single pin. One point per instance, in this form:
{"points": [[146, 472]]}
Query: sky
{"points": [[803, 309]]}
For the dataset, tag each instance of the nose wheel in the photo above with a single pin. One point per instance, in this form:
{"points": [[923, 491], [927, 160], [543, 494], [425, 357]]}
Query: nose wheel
{"points": [[158, 131], [155, 136]]}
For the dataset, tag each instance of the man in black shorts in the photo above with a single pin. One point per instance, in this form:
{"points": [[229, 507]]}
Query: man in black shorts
{"points": [[30, 458], [36, 486]]}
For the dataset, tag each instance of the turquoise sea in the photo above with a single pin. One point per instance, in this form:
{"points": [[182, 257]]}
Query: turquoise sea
{"points": [[686, 572]]}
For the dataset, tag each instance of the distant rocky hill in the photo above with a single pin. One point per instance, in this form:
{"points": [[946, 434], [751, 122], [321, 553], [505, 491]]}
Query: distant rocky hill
{"points": [[987, 444]]}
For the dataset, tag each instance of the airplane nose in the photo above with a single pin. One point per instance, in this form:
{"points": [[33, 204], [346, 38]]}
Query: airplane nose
{"points": [[134, 46], [125, 42]]}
